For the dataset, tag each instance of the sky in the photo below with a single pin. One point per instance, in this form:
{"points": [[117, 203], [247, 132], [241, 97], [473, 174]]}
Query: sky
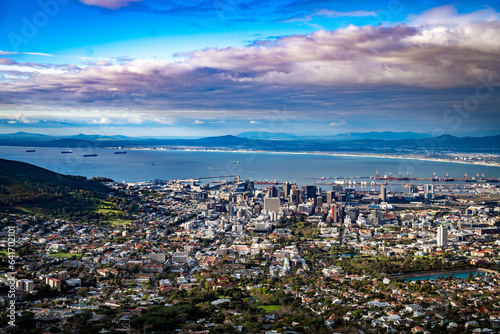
{"points": [[198, 68]]}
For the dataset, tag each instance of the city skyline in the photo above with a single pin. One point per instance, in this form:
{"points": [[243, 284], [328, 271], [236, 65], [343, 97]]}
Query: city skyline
{"points": [[166, 68]]}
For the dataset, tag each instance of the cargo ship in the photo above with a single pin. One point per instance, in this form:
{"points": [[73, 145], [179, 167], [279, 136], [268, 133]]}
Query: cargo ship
{"points": [[65, 152], [30, 151], [392, 178], [120, 152], [448, 179], [90, 155]]}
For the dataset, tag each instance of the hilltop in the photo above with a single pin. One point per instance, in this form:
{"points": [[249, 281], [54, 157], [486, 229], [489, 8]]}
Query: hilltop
{"points": [[28, 188]]}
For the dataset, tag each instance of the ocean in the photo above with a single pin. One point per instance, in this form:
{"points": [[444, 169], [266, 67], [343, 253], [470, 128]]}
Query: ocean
{"points": [[144, 165]]}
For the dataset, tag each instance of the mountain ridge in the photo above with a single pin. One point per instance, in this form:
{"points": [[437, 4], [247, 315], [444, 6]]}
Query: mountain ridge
{"points": [[490, 144]]}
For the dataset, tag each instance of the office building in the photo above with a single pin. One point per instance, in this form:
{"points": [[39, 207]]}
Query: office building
{"points": [[429, 191], [319, 201], [442, 236], [309, 191], [287, 187], [330, 195], [272, 192], [383, 194], [24, 285], [271, 204]]}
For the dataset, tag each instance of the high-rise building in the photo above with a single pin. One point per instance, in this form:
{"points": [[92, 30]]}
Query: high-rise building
{"points": [[442, 236], [309, 191], [24, 285], [62, 275], [287, 186], [272, 204], [330, 197], [334, 213], [383, 193], [54, 283], [295, 196], [319, 201], [272, 192], [349, 195], [429, 191]]}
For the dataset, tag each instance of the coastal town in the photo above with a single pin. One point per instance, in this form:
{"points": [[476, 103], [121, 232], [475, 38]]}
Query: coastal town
{"points": [[235, 255]]}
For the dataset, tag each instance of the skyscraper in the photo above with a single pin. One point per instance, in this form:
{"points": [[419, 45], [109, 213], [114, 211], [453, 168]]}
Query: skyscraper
{"points": [[330, 197], [429, 191], [272, 192], [309, 191], [442, 236], [319, 201], [334, 213], [383, 193], [287, 186], [295, 194]]}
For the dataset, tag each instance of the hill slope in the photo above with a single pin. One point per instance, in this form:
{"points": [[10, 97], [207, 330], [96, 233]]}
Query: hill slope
{"points": [[38, 190]]}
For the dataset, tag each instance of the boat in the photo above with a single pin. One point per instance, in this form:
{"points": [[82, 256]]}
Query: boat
{"points": [[63, 152], [447, 178], [236, 162], [120, 152], [90, 155], [30, 151]]}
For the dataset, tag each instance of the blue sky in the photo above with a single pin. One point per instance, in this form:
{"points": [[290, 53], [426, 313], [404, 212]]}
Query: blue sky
{"points": [[214, 67]]}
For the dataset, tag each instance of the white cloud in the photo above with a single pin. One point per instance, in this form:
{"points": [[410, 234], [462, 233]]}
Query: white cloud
{"points": [[13, 53], [449, 15], [21, 119], [338, 123], [109, 4], [102, 120], [255, 122], [206, 83]]}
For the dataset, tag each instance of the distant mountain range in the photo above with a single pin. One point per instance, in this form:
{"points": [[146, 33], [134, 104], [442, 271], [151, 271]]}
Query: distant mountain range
{"points": [[389, 142], [387, 135]]}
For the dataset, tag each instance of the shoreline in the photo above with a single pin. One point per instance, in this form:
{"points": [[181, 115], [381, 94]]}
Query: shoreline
{"points": [[360, 155]]}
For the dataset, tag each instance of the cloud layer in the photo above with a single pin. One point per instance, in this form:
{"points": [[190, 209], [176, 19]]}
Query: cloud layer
{"points": [[437, 51]]}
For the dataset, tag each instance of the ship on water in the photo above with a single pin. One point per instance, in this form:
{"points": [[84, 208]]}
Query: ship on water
{"points": [[447, 178], [120, 152], [65, 152], [30, 151], [90, 155]]}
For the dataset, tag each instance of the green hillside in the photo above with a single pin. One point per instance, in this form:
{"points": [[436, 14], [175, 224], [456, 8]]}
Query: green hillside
{"points": [[28, 188]]}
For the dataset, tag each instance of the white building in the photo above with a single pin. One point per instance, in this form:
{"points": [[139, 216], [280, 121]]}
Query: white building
{"points": [[24, 285], [442, 236]]}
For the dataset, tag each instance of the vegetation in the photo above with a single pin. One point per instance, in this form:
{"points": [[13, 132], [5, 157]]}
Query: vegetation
{"points": [[67, 255], [34, 190], [270, 308]]}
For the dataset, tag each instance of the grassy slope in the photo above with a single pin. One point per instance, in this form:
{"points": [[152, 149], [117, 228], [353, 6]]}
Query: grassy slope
{"points": [[36, 190]]}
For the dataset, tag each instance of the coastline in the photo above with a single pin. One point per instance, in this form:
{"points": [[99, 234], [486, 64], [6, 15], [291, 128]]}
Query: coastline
{"points": [[360, 155]]}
